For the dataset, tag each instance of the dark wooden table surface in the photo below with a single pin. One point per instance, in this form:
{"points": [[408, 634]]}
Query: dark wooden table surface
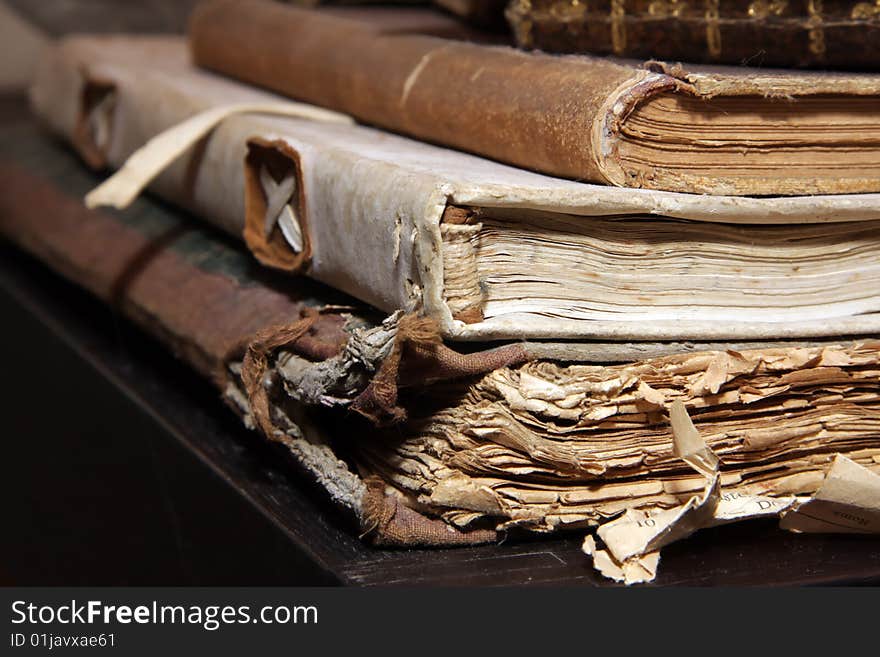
{"points": [[120, 466]]}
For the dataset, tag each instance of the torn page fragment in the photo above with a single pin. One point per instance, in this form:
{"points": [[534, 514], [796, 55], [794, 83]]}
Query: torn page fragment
{"points": [[631, 539], [847, 502], [688, 444], [638, 531], [635, 570]]}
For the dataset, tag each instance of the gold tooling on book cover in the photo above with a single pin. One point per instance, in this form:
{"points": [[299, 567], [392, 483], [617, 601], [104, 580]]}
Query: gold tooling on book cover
{"points": [[761, 9], [866, 11], [817, 31], [713, 32], [523, 26], [667, 8], [618, 26]]}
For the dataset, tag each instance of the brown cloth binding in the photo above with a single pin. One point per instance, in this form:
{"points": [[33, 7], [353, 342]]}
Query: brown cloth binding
{"points": [[201, 315], [420, 357], [390, 523]]}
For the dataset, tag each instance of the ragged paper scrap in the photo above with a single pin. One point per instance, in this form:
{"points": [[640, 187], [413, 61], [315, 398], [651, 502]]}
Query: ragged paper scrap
{"points": [[847, 501]]}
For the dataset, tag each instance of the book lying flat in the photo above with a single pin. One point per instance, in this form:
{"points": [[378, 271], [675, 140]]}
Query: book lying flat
{"points": [[487, 250], [488, 443], [658, 126]]}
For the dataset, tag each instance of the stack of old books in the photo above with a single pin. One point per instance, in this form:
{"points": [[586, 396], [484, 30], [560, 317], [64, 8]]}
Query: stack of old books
{"points": [[591, 294]]}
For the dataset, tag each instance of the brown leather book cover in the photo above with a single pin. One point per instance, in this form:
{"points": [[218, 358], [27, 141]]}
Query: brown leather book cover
{"points": [[730, 131], [794, 33]]}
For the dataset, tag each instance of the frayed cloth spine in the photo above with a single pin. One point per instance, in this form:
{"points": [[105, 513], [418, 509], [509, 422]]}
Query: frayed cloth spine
{"points": [[256, 365], [420, 357]]}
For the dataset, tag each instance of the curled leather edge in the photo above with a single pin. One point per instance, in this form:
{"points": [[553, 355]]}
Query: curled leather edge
{"points": [[622, 102], [273, 251]]}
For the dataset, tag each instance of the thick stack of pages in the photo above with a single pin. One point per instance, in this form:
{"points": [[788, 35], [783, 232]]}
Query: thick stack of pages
{"points": [[467, 443]]}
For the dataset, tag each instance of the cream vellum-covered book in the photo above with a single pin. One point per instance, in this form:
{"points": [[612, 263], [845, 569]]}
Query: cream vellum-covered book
{"points": [[486, 250]]}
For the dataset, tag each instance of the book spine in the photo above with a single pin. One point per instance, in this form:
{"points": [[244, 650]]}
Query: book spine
{"points": [[786, 33]]}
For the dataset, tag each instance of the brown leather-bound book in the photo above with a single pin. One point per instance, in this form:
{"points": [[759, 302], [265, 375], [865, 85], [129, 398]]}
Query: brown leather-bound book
{"points": [[799, 33], [733, 131]]}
